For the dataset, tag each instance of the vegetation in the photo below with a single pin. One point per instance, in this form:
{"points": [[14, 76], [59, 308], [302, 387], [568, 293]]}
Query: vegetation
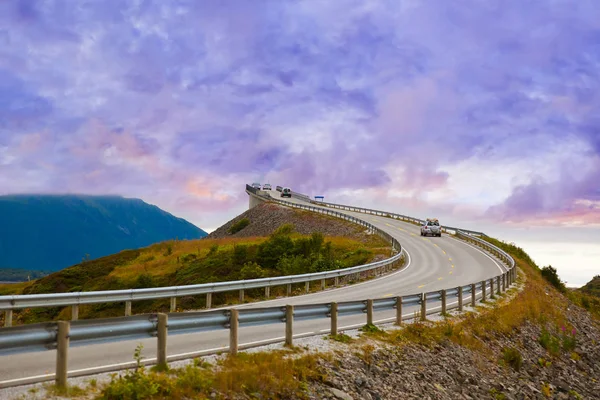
{"points": [[257, 375], [549, 273], [592, 287], [239, 225], [19, 275], [202, 261]]}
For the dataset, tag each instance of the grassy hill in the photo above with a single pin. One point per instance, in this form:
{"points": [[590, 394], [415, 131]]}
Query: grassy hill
{"points": [[592, 287], [48, 233], [284, 252]]}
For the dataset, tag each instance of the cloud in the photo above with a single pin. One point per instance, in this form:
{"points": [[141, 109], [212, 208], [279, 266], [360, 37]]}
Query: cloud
{"points": [[469, 108]]}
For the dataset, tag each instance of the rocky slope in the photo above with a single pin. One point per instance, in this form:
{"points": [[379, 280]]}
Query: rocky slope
{"points": [[450, 371], [267, 217]]}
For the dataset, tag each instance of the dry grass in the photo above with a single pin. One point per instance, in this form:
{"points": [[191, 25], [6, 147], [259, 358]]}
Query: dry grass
{"points": [[272, 375], [158, 261]]}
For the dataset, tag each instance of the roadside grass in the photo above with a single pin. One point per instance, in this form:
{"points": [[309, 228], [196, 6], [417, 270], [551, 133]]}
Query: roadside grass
{"points": [[275, 374]]}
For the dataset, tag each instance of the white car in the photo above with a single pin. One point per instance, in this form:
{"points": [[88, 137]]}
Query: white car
{"points": [[431, 227], [266, 186]]}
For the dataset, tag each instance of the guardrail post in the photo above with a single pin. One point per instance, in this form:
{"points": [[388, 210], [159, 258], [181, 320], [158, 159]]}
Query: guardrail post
{"points": [[498, 288], [8, 316], [334, 315], [233, 331], [443, 293], [173, 304], [161, 338], [399, 310], [208, 300], [423, 306], [492, 296], [483, 283], [473, 294], [307, 285], [460, 298], [74, 312], [288, 289], [267, 291], [62, 353], [370, 312], [127, 308], [242, 295], [323, 284], [289, 324], [336, 281]]}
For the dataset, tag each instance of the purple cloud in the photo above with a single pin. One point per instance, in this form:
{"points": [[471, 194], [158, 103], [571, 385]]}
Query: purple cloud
{"points": [[155, 100]]}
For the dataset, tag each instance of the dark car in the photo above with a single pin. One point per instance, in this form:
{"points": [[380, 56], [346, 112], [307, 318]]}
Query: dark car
{"points": [[286, 192]]}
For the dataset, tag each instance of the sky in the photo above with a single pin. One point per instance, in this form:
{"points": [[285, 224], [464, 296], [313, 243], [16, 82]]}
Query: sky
{"points": [[482, 113]]}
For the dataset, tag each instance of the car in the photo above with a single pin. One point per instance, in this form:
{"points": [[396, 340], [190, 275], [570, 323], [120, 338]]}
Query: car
{"points": [[266, 186], [431, 227], [256, 185], [286, 192]]}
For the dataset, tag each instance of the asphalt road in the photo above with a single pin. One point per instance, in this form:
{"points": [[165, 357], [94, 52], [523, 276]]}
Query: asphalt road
{"points": [[433, 263]]}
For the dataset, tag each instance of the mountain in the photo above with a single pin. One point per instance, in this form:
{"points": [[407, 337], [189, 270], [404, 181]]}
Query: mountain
{"points": [[51, 232], [592, 287]]}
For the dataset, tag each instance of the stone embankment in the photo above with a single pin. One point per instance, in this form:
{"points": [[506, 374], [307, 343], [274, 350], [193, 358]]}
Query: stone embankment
{"points": [[267, 217], [447, 370]]}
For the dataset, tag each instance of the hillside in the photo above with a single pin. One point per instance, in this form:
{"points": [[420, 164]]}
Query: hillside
{"points": [[333, 244], [44, 232], [592, 287]]}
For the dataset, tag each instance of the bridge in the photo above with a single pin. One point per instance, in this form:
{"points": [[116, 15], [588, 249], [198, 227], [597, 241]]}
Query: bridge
{"points": [[437, 275]]}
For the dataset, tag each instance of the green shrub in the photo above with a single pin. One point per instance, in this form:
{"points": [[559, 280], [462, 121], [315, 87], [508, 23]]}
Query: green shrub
{"points": [[550, 343], [239, 225], [549, 273], [512, 357], [252, 270]]}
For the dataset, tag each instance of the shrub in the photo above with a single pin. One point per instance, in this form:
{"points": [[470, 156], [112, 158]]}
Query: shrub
{"points": [[512, 357], [549, 273], [550, 342], [252, 270], [239, 225]]}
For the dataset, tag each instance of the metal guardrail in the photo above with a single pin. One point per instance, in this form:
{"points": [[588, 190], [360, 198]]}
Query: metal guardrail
{"points": [[383, 214], [75, 299], [62, 334]]}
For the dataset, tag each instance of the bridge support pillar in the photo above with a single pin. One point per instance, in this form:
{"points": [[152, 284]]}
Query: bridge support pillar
{"points": [[253, 201]]}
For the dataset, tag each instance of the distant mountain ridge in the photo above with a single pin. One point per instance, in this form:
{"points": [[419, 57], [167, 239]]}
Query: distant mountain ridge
{"points": [[51, 232]]}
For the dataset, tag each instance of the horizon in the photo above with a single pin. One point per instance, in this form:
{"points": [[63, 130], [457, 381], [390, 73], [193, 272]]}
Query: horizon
{"points": [[482, 115]]}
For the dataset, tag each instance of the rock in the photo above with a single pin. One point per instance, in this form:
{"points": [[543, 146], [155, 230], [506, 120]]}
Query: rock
{"points": [[340, 395], [359, 381]]}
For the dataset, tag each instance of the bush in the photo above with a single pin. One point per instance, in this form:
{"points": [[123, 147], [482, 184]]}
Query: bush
{"points": [[512, 357], [549, 273], [252, 270], [550, 342], [238, 226]]}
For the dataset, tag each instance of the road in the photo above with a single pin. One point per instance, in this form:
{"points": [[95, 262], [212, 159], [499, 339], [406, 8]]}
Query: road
{"points": [[433, 263]]}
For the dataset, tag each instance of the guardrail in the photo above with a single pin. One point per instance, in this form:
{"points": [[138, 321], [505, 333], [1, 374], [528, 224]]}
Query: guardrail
{"points": [[383, 214], [63, 334], [75, 299]]}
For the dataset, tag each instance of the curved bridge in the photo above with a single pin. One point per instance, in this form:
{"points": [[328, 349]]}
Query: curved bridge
{"points": [[439, 274]]}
